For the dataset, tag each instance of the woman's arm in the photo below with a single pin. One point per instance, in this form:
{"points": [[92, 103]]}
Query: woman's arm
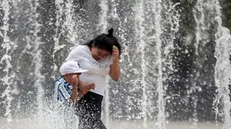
{"points": [[85, 87], [115, 67]]}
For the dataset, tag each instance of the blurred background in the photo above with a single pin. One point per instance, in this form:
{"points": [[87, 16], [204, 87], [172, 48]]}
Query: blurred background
{"points": [[175, 59]]}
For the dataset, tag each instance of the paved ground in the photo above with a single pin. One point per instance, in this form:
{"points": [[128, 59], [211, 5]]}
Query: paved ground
{"points": [[171, 125], [47, 124]]}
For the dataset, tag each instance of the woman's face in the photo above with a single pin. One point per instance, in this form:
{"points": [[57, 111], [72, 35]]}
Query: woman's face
{"points": [[99, 54]]}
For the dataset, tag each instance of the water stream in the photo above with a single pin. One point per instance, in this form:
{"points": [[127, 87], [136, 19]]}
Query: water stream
{"points": [[175, 62]]}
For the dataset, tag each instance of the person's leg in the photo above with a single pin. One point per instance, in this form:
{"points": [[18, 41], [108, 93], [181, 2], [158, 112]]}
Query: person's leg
{"points": [[89, 111]]}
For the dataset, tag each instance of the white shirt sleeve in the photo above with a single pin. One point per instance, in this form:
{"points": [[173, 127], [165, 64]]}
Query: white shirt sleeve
{"points": [[76, 54]]}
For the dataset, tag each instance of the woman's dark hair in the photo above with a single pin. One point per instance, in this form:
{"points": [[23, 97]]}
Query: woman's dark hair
{"points": [[105, 42]]}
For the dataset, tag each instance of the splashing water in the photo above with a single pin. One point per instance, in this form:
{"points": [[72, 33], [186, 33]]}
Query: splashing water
{"points": [[223, 64], [173, 75]]}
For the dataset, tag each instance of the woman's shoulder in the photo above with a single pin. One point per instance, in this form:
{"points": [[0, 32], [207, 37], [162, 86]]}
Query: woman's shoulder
{"points": [[78, 52], [80, 49]]}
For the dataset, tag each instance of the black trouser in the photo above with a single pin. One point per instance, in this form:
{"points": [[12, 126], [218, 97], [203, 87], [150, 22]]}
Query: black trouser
{"points": [[89, 111]]}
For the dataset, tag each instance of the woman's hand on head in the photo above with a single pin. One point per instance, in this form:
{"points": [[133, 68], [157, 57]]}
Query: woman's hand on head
{"points": [[115, 67], [115, 53]]}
